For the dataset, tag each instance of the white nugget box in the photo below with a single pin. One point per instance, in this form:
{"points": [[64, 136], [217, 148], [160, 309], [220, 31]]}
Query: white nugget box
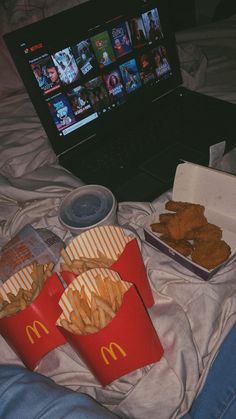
{"points": [[214, 189]]}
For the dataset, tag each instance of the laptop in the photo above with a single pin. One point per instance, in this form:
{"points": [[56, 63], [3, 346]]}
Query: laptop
{"points": [[105, 80]]}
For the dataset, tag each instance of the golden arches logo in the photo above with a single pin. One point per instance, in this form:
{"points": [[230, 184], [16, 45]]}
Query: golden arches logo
{"points": [[110, 350], [34, 329]]}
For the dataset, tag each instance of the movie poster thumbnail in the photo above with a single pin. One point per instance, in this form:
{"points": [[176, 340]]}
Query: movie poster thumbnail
{"points": [[120, 39], [61, 112], [115, 87], [46, 73], [162, 66], [98, 95], [137, 32], [152, 25], [66, 66], [79, 101], [146, 68], [103, 49], [130, 75], [84, 56]]}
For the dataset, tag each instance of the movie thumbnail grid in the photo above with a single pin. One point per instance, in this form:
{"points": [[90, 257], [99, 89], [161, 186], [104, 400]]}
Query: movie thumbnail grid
{"points": [[77, 63]]}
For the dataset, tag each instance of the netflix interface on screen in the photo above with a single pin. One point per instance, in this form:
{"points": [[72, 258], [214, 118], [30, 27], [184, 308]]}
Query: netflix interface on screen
{"points": [[94, 75]]}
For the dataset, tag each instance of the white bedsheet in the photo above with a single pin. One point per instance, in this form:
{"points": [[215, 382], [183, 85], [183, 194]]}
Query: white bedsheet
{"points": [[32, 183], [191, 316], [208, 58]]}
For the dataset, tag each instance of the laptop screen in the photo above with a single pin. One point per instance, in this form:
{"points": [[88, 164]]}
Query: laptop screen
{"points": [[95, 65]]}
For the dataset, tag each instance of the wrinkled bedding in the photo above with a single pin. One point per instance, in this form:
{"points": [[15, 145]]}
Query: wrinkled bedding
{"points": [[191, 316], [207, 56]]}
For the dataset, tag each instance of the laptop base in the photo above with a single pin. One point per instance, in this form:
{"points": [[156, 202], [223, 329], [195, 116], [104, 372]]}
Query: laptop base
{"points": [[183, 126]]}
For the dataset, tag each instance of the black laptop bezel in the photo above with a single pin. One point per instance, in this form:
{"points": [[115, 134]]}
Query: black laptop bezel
{"points": [[89, 18]]}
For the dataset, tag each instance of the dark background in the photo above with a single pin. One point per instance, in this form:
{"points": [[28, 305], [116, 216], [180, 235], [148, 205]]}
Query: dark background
{"points": [[189, 13]]}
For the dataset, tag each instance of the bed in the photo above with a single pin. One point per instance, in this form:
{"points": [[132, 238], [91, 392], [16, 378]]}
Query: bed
{"points": [[207, 56], [32, 186]]}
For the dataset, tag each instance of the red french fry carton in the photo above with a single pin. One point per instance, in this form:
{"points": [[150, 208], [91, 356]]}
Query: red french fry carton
{"points": [[128, 342], [121, 247], [32, 332]]}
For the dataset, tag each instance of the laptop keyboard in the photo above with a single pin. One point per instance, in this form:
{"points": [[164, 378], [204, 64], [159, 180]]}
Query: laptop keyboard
{"points": [[125, 151]]}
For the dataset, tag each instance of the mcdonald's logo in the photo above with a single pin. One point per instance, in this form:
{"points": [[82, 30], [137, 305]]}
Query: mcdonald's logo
{"points": [[110, 350], [34, 329]]}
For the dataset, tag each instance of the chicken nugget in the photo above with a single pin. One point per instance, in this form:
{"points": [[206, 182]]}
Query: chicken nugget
{"points": [[165, 217], [181, 246], [210, 254], [160, 228], [207, 233], [179, 205], [184, 221]]}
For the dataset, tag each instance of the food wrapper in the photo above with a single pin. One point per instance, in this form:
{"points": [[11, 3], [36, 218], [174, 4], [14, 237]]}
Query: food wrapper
{"points": [[128, 342], [118, 245], [32, 332], [28, 245]]}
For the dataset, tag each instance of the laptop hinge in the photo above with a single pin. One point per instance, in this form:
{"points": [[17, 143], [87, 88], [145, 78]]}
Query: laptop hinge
{"points": [[76, 145]]}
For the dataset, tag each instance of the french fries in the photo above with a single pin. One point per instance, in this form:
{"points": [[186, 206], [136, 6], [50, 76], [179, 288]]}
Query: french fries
{"points": [[12, 303], [82, 264], [90, 313]]}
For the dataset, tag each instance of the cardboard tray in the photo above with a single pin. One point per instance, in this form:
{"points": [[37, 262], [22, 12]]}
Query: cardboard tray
{"points": [[214, 189]]}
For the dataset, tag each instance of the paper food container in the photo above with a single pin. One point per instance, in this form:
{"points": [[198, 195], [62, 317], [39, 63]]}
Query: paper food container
{"points": [[127, 342], [214, 189], [32, 332], [121, 247]]}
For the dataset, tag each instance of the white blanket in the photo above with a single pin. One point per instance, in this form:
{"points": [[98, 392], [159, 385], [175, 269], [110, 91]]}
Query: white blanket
{"points": [[207, 56], [32, 183]]}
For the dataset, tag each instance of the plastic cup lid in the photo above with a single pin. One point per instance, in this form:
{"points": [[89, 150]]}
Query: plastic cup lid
{"points": [[86, 206]]}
